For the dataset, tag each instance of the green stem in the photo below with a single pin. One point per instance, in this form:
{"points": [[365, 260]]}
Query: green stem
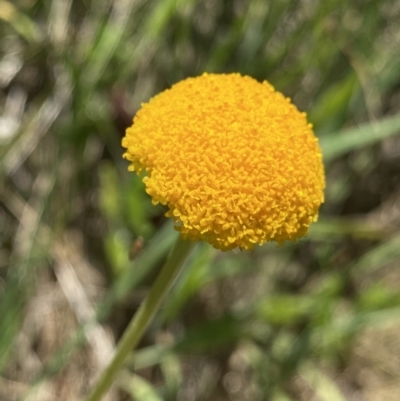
{"points": [[143, 316]]}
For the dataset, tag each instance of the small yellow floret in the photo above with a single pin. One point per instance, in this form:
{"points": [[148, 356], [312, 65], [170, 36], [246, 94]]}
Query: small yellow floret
{"points": [[235, 162]]}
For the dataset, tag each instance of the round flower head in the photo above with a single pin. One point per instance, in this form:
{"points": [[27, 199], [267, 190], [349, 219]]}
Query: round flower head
{"points": [[235, 162]]}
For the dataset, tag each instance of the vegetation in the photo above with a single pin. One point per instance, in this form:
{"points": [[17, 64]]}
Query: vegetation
{"points": [[81, 243]]}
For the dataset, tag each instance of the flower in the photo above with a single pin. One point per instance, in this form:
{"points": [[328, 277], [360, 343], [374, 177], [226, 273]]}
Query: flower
{"points": [[234, 160]]}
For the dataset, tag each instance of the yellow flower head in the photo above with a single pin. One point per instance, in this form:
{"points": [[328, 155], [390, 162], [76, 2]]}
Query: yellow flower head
{"points": [[235, 162]]}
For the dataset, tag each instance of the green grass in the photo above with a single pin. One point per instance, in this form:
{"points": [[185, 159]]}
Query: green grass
{"points": [[277, 324]]}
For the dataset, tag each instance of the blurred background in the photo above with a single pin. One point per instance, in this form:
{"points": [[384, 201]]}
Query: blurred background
{"points": [[81, 243]]}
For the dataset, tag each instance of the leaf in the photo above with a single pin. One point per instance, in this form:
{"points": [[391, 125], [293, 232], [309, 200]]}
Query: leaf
{"points": [[347, 140], [382, 254], [331, 107], [139, 388], [22, 24], [211, 335], [330, 229], [285, 309]]}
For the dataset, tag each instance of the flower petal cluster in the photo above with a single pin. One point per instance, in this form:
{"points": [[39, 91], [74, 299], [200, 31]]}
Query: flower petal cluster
{"points": [[234, 160]]}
